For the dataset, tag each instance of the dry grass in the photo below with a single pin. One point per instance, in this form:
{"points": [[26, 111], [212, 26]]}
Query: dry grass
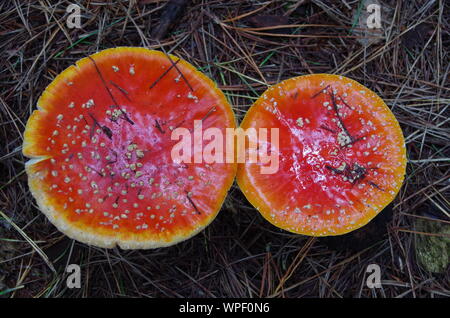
{"points": [[240, 254]]}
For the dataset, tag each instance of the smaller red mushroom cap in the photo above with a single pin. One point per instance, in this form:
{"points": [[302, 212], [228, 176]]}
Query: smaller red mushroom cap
{"points": [[341, 155], [100, 143]]}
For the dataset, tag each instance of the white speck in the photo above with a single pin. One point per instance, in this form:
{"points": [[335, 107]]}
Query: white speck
{"points": [[131, 147], [116, 114], [343, 139], [139, 153], [190, 96], [88, 104]]}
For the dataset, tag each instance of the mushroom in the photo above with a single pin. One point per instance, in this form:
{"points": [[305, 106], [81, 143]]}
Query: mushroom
{"points": [[341, 155], [100, 145]]}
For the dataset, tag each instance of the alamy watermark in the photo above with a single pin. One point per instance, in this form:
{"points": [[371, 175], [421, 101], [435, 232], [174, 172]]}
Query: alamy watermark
{"points": [[260, 150], [74, 278], [374, 19], [74, 18], [374, 278]]}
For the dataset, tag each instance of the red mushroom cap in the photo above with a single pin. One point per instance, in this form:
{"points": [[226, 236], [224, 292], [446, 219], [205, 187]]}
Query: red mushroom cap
{"points": [[100, 143], [341, 155]]}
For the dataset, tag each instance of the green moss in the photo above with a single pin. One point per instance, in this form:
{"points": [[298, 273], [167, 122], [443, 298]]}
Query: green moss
{"points": [[433, 252]]}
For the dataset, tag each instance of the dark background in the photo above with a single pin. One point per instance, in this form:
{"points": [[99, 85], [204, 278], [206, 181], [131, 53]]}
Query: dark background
{"points": [[239, 254]]}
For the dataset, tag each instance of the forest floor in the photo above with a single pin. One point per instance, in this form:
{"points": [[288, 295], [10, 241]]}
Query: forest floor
{"points": [[238, 44]]}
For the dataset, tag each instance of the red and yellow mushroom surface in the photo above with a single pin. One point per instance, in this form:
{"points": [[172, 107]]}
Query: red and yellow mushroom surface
{"points": [[341, 155], [100, 148], [102, 171]]}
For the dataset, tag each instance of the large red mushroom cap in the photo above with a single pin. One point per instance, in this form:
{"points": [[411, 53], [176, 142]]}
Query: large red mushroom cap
{"points": [[100, 143], [341, 155]]}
